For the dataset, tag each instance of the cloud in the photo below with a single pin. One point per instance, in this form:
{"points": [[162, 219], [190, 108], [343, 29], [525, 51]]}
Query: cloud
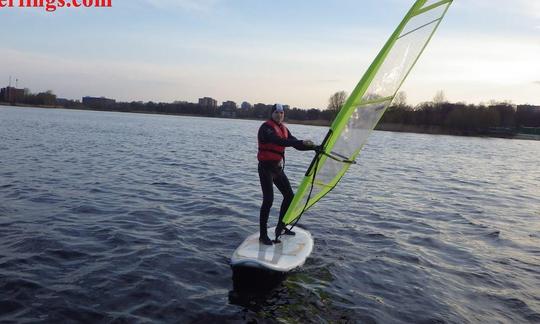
{"points": [[477, 67], [328, 81], [73, 77], [529, 8], [525, 8], [190, 5]]}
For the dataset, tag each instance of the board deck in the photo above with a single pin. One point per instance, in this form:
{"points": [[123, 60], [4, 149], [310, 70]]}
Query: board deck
{"points": [[291, 253]]}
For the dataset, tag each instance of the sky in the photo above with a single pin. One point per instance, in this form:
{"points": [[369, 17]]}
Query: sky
{"points": [[296, 52]]}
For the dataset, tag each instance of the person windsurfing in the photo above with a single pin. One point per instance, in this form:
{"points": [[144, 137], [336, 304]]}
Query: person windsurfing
{"points": [[273, 138]]}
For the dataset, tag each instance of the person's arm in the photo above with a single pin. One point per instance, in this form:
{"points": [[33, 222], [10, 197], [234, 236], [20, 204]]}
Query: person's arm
{"points": [[302, 145], [267, 135]]}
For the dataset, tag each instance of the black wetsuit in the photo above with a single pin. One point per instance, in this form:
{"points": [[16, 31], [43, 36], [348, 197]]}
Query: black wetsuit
{"points": [[271, 172]]}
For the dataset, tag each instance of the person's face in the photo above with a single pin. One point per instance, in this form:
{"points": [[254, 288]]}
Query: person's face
{"points": [[278, 116]]}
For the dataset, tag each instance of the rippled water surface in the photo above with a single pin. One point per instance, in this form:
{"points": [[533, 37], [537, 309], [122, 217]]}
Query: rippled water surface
{"points": [[111, 217]]}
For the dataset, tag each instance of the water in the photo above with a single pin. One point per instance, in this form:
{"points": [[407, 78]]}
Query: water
{"points": [[111, 217]]}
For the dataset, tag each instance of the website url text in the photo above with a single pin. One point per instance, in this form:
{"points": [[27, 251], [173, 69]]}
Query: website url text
{"points": [[52, 5]]}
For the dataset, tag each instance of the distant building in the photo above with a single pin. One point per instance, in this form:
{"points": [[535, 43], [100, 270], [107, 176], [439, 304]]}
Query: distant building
{"points": [[62, 101], [262, 106], [228, 105], [286, 107], [94, 102], [11, 94], [262, 110], [246, 105], [208, 102], [228, 109]]}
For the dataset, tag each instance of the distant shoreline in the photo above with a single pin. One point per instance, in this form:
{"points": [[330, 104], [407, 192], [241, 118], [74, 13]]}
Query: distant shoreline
{"points": [[386, 127]]}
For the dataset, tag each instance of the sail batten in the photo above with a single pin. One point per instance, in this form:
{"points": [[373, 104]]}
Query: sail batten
{"points": [[372, 101], [420, 27], [367, 103]]}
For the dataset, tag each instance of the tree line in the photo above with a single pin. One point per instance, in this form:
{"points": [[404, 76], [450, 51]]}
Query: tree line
{"points": [[452, 117], [24, 96], [441, 116], [448, 117], [257, 111], [495, 117]]}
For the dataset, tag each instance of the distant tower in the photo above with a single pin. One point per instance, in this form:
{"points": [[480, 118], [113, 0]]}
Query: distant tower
{"points": [[16, 83], [10, 81]]}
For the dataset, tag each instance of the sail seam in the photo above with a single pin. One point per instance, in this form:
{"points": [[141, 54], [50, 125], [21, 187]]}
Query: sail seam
{"points": [[374, 101], [424, 25]]}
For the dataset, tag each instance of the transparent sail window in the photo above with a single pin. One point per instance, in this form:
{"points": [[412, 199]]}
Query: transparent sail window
{"points": [[425, 18], [398, 63], [351, 140]]}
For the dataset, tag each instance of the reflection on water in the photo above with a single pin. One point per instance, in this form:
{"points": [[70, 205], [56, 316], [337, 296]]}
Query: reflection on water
{"points": [[251, 286]]}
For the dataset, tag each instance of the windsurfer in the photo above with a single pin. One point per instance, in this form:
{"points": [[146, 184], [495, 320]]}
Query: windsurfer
{"points": [[273, 137]]}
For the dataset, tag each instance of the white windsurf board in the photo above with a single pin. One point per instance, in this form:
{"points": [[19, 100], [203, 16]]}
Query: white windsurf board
{"points": [[291, 253]]}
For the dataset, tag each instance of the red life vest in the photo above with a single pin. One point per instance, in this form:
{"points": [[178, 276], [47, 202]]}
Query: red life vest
{"points": [[269, 151]]}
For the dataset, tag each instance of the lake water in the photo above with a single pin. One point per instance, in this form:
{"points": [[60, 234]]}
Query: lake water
{"points": [[114, 217]]}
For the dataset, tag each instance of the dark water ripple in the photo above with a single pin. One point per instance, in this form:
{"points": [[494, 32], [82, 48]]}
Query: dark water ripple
{"points": [[108, 217]]}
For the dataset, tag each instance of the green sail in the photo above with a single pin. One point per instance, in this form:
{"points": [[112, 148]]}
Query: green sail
{"points": [[367, 103]]}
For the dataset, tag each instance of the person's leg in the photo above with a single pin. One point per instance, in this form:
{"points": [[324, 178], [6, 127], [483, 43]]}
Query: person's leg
{"points": [[282, 183], [265, 176]]}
